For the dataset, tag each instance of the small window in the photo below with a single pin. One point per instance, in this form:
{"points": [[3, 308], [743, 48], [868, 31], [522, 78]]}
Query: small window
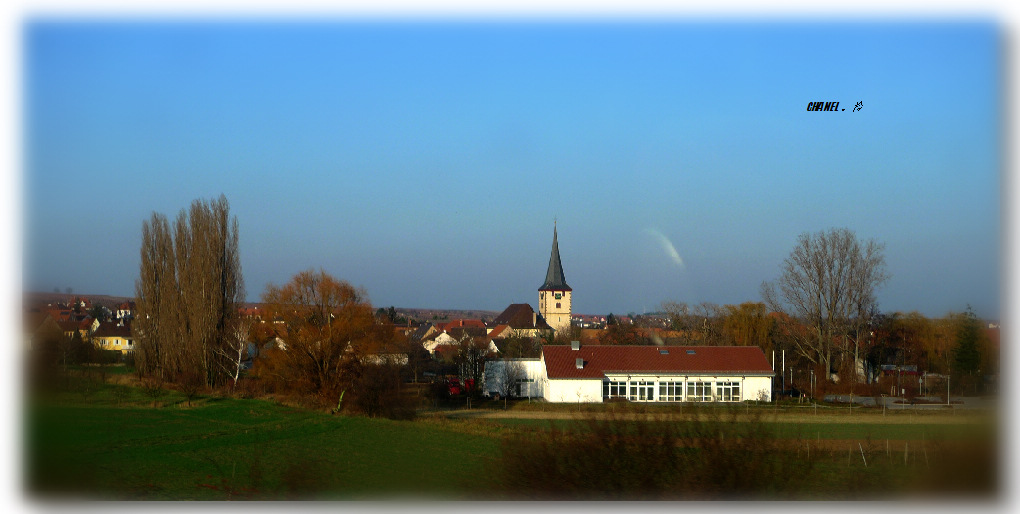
{"points": [[557, 305], [664, 352], [690, 352]]}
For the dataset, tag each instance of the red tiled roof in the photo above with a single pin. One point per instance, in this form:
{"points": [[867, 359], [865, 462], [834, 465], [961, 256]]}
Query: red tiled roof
{"points": [[499, 329], [59, 314], [458, 333], [462, 323], [113, 330], [447, 351], [561, 361], [521, 316]]}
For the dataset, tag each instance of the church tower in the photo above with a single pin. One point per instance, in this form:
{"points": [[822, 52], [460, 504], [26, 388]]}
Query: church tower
{"points": [[554, 295]]}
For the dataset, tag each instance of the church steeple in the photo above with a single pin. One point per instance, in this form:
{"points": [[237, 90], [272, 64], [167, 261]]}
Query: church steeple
{"points": [[554, 297], [554, 280]]}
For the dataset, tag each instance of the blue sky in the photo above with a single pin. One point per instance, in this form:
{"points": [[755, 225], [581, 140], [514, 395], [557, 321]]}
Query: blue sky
{"points": [[426, 161]]}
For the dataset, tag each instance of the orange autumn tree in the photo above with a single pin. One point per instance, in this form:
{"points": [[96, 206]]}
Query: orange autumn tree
{"points": [[326, 325]]}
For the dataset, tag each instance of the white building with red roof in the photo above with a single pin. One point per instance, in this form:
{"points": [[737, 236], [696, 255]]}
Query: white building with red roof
{"points": [[596, 373]]}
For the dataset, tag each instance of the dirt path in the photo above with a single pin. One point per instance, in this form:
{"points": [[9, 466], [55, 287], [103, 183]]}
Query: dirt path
{"points": [[781, 417]]}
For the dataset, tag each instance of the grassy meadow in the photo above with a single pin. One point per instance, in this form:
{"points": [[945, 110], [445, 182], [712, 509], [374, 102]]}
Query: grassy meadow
{"points": [[112, 440]]}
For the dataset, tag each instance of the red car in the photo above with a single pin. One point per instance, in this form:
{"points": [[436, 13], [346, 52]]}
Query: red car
{"points": [[453, 387]]}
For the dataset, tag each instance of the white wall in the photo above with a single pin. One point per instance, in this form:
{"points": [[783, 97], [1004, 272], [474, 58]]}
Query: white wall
{"points": [[574, 390], [534, 370], [754, 386]]}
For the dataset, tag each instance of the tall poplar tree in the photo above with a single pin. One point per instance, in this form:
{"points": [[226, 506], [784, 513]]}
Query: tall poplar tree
{"points": [[188, 293]]}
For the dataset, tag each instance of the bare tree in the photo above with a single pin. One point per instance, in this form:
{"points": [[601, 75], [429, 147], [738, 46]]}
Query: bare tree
{"points": [[470, 357], [828, 284], [417, 357], [709, 321], [188, 292], [231, 353], [153, 387], [682, 320], [508, 375]]}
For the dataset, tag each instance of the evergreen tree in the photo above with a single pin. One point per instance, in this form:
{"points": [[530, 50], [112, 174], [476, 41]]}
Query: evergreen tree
{"points": [[966, 356]]}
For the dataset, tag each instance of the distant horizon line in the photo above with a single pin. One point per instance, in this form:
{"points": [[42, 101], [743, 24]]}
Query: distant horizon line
{"points": [[620, 313]]}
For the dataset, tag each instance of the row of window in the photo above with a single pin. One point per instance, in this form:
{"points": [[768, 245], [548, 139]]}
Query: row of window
{"points": [[107, 343], [697, 391]]}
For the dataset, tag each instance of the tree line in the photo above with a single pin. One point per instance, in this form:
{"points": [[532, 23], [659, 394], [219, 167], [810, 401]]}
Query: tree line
{"points": [[823, 312], [313, 340], [821, 309]]}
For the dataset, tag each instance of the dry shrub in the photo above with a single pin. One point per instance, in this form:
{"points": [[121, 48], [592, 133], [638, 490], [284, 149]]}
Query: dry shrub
{"points": [[249, 388], [707, 455], [378, 393], [190, 383]]}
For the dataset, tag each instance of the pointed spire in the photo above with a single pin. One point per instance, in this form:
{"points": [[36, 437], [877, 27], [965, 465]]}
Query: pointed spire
{"points": [[554, 276]]}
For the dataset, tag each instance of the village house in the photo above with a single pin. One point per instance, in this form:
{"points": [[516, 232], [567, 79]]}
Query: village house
{"points": [[125, 310], [114, 336], [520, 320]]}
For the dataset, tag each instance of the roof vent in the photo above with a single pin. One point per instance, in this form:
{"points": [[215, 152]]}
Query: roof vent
{"points": [[575, 345], [690, 352], [579, 362]]}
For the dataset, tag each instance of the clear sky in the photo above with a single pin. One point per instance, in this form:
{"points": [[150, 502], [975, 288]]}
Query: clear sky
{"points": [[426, 161]]}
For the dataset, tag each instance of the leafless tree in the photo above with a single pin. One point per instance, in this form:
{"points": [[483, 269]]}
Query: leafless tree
{"points": [[470, 358], [709, 318], [231, 353], [153, 387], [188, 292], [828, 284], [682, 320], [507, 374]]}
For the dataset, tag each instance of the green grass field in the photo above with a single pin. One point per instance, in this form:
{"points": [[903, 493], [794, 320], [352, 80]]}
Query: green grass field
{"points": [[115, 442], [235, 449]]}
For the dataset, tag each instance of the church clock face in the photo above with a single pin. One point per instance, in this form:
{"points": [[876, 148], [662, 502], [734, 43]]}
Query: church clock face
{"points": [[558, 296]]}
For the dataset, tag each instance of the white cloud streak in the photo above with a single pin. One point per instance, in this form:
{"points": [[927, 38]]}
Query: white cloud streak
{"points": [[667, 246]]}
